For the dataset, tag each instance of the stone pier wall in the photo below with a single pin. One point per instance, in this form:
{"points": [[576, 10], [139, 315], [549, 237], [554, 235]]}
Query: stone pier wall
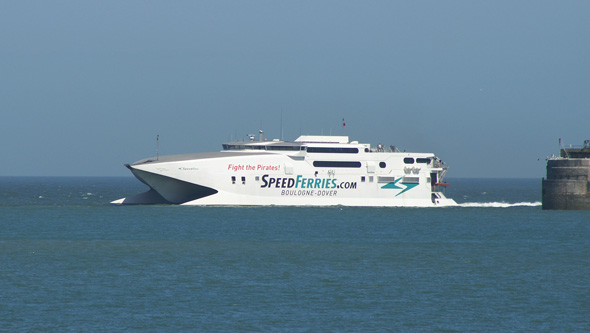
{"points": [[567, 185]]}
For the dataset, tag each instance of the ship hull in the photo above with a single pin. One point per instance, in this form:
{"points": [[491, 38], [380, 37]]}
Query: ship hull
{"points": [[264, 179]]}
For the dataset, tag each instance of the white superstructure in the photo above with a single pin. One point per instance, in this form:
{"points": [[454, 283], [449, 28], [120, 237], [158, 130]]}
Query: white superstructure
{"points": [[311, 171]]}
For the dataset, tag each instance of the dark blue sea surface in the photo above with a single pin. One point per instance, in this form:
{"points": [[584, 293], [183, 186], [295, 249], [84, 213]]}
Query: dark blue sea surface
{"points": [[71, 261]]}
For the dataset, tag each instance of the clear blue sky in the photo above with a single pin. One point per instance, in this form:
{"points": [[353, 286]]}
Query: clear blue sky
{"points": [[489, 86]]}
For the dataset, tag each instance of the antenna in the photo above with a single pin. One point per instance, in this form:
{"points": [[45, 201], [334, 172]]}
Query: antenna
{"points": [[157, 147], [281, 124]]}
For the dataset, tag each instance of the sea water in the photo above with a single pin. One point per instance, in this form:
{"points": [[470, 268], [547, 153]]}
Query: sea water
{"points": [[70, 261]]}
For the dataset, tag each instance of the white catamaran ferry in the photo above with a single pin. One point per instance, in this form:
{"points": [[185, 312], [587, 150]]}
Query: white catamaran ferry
{"points": [[311, 171]]}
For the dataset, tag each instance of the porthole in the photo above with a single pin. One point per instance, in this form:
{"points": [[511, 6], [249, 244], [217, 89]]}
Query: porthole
{"points": [[382, 165]]}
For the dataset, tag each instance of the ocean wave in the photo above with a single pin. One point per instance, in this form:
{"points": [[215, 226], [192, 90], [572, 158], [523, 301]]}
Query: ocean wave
{"points": [[500, 204]]}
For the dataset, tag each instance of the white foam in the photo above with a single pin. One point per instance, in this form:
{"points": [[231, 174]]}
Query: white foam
{"points": [[500, 204]]}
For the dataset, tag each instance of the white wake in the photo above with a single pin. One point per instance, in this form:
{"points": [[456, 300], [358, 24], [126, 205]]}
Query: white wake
{"points": [[500, 204]]}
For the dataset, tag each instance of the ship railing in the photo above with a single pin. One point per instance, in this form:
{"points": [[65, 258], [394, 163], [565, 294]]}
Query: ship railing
{"points": [[382, 149]]}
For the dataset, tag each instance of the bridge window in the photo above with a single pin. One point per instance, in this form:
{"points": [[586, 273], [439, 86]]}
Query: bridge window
{"points": [[335, 150], [282, 147], [336, 164], [409, 160]]}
